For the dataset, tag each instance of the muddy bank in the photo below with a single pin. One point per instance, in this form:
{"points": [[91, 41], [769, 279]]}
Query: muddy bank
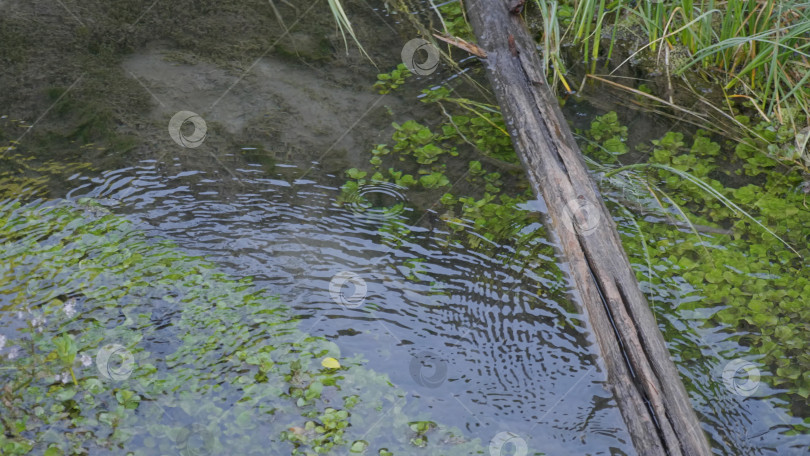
{"points": [[111, 74], [290, 111]]}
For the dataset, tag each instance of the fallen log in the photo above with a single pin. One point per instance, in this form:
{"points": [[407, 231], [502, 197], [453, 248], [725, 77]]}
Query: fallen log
{"points": [[640, 371]]}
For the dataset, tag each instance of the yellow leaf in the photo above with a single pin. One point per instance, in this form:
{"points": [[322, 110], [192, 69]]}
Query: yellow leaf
{"points": [[330, 363]]}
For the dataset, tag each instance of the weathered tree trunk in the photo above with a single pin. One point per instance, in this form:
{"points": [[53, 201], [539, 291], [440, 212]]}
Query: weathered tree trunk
{"points": [[645, 381]]}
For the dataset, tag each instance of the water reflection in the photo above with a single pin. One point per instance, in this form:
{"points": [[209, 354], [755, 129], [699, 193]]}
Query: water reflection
{"points": [[483, 340]]}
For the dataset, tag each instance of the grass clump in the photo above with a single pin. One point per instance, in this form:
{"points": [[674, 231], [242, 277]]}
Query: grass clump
{"points": [[755, 53]]}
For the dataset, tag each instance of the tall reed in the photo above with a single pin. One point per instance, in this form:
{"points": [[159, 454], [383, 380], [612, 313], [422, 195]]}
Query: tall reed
{"points": [[758, 49]]}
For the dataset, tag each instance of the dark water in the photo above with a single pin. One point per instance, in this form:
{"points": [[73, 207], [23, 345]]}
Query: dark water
{"points": [[471, 336]]}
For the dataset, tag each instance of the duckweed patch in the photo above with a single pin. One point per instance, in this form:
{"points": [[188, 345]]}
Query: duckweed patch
{"points": [[115, 343]]}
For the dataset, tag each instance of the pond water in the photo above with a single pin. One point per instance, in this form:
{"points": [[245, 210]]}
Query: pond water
{"points": [[486, 341], [470, 336]]}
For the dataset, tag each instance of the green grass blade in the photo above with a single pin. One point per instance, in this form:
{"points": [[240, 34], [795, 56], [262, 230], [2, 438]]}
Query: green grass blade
{"points": [[708, 189], [345, 26]]}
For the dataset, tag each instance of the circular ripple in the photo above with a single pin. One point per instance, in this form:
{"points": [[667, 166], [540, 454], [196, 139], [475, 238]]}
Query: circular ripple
{"points": [[378, 201]]}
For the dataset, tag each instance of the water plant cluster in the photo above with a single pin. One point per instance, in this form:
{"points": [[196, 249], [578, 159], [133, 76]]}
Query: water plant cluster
{"points": [[196, 362], [720, 225], [725, 222], [748, 278], [461, 171]]}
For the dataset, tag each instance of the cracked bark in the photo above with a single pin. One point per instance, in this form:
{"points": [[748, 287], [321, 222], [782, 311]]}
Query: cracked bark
{"points": [[645, 381]]}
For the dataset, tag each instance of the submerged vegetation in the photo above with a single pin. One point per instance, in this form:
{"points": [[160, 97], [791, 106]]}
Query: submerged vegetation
{"points": [[208, 364], [718, 217], [422, 159], [719, 224], [737, 263], [196, 362]]}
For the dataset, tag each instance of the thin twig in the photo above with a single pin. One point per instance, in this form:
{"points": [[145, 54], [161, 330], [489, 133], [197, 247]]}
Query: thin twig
{"points": [[472, 48]]}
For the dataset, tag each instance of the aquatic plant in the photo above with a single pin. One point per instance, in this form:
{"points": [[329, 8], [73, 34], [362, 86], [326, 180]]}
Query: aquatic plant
{"points": [[478, 207], [386, 82], [552, 15], [757, 50], [117, 342], [738, 263]]}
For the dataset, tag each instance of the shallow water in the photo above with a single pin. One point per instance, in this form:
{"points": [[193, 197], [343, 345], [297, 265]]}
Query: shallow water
{"points": [[479, 340], [469, 335]]}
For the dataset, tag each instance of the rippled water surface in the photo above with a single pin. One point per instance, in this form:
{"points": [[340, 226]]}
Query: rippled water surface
{"points": [[471, 336], [488, 340]]}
